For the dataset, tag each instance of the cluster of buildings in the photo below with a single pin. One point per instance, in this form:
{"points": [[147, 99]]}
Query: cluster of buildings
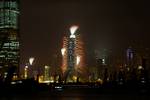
{"points": [[132, 68], [73, 67]]}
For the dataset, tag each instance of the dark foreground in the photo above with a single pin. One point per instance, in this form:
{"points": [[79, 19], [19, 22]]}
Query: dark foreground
{"points": [[78, 94], [73, 92], [75, 96]]}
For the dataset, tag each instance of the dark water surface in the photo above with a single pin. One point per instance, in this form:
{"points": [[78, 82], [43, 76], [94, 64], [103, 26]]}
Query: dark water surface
{"points": [[74, 95]]}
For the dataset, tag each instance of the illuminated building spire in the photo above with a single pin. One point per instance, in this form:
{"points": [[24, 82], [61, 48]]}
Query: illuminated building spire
{"points": [[72, 31]]}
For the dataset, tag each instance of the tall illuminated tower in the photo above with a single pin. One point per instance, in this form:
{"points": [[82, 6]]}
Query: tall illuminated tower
{"points": [[64, 55], [9, 35], [72, 56]]}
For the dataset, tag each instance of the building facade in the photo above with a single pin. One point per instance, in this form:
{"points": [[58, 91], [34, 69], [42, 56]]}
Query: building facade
{"points": [[9, 35], [73, 62]]}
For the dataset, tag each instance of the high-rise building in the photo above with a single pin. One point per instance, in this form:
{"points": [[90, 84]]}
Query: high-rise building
{"points": [[129, 54], [73, 56], [26, 72], [9, 35], [130, 58], [47, 73]]}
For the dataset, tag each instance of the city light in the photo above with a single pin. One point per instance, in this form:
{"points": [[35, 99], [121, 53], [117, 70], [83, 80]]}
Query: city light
{"points": [[78, 60], [31, 60], [26, 67], [63, 50], [73, 30], [26, 72], [140, 67], [46, 67], [46, 73], [103, 61]]}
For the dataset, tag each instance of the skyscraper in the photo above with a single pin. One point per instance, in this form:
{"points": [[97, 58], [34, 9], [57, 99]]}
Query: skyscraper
{"points": [[129, 54], [73, 56], [9, 35], [46, 73]]}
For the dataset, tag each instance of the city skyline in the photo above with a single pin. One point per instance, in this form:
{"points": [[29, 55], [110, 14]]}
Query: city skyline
{"points": [[114, 27], [64, 49]]}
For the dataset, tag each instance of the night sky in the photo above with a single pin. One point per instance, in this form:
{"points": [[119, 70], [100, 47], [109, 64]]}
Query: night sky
{"points": [[104, 24]]}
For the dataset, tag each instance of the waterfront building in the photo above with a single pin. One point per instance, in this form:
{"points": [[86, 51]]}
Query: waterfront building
{"points": [[73, 62], [9, 36]]}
